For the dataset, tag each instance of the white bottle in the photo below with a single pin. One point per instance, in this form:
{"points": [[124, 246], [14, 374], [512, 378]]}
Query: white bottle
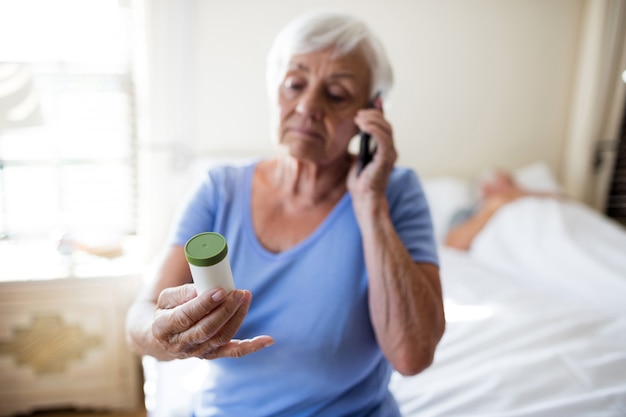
{"points": [[207, 255]]}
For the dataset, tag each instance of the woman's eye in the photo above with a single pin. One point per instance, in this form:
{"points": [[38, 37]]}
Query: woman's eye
{"points": [[292, 88], [337, 97], [294, 85]]}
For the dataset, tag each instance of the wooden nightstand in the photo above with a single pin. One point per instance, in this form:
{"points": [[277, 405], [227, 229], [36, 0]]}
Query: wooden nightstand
{"points": [[62, 344]]}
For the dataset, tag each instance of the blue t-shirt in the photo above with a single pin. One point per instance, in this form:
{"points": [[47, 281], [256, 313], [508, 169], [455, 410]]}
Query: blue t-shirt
{"points": [[311, 298]]}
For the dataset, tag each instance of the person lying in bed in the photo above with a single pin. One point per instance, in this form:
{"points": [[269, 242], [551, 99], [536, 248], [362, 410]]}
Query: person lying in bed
{"points": [[343, 267], [495, 191]]}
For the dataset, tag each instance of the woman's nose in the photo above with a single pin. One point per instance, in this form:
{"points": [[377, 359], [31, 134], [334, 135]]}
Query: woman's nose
{"points": [[310, 104]]}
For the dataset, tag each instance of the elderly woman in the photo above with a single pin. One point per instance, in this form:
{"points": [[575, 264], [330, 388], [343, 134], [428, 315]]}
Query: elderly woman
{"points": [[342, 266]]}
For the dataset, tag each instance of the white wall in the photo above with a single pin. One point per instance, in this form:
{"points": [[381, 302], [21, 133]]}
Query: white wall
{"points": [[479, 83]]}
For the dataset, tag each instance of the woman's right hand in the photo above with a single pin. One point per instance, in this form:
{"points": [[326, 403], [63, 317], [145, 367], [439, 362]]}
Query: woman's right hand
{"points": [[189, 325]]}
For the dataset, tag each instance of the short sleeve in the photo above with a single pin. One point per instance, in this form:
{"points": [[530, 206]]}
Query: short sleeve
{"points": [[410, 214]]}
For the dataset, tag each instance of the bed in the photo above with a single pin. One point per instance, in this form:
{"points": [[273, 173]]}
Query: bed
{"points": [[536, 316]]}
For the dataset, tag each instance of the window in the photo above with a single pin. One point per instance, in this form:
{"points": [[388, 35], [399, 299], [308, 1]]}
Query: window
{"points": [[68, 176], [616, 198]]}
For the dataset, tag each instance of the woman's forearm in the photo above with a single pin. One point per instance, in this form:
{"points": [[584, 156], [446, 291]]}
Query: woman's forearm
{"points": [[405, 297], [139, 331], [461, 236]]}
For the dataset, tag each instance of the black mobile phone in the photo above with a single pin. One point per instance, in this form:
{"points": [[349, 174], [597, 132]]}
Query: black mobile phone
{"points": [[366, 152]]}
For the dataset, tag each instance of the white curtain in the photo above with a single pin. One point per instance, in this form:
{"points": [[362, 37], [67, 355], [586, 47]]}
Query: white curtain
{"points": [[597, 98], [166, 103]]}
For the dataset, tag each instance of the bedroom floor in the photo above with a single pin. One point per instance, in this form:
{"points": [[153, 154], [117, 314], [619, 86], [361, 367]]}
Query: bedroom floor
{"points": [[71, 413]]}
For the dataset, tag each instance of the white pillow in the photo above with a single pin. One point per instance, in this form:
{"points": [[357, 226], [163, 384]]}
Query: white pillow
{"points": [[537, 176], [446, 195]]}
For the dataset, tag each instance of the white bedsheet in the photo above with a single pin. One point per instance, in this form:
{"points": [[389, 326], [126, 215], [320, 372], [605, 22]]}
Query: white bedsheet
{"points": [[536, 320], [535, 325], [560, 246]]}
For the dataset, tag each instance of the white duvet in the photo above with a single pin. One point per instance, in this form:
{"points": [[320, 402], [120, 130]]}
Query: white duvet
{"points": [[536, 324], [560, 246], [536, 317]]}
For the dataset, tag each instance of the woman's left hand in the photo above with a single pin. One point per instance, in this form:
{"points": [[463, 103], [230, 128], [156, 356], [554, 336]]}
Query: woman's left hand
{"points": [[405, 298], [371, 183]]}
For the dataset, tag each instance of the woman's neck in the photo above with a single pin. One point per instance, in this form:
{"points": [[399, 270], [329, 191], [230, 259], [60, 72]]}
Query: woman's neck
{"points": [[307, 184]]}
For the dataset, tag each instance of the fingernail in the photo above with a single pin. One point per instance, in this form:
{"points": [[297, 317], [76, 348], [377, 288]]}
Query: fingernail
{"points": [[238, 296], [218, 295]]}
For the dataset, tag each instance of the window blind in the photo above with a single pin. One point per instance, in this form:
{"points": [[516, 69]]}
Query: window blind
{"points": [[616, 198], [76, 173]]}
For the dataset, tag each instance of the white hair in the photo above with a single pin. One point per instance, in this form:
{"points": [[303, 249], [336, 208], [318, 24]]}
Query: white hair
{"points": [[321, 30]]}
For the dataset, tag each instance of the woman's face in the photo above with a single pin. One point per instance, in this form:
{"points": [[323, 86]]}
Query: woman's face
{"points": [[318, 100]]}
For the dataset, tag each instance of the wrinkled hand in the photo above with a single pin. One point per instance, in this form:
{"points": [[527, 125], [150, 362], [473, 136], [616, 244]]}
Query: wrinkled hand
{"points": [[191, 325], [368, 188], [371, 184]]}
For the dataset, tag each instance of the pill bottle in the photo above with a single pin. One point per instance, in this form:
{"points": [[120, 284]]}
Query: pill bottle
{"points": [[207, 255]]}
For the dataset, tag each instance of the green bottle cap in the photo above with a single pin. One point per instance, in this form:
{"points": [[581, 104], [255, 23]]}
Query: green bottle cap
{"points": [[206, 249]]}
